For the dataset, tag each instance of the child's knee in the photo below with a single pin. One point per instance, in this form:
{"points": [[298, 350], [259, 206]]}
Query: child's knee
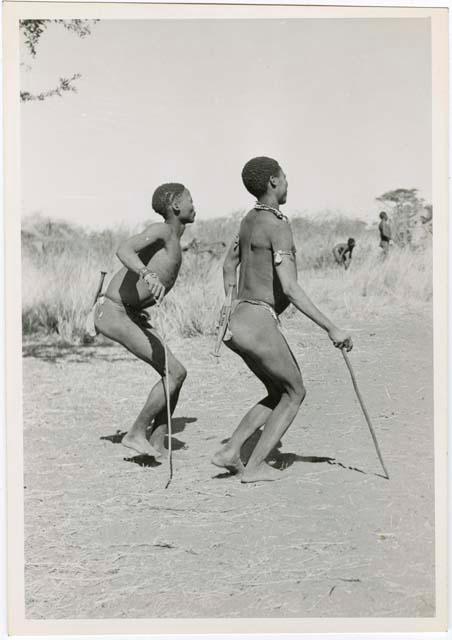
{"points": [[296, 392], [178, 373]]}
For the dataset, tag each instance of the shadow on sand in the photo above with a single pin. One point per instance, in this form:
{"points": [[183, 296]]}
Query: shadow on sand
{"points": [[144, 460], [178, 425], [283, 461], [60, 352]]}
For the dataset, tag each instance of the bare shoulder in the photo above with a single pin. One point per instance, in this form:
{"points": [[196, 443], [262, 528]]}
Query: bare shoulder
{"points": [[157, 231], [278, 227]]}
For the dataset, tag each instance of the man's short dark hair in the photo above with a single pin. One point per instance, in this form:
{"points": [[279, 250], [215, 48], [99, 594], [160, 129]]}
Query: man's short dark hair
{"points": [[257, 172], [164, 195], [351, 241]]}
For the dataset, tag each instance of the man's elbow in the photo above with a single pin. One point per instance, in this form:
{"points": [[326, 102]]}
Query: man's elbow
{"points": [[290, 289]]}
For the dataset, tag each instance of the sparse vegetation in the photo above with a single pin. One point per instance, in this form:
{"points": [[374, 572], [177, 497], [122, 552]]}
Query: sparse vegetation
{"points": [[61, 264]]}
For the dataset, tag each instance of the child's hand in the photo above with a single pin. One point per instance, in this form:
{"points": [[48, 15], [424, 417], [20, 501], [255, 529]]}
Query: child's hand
{"points": [[341, 339], [155, 286]]}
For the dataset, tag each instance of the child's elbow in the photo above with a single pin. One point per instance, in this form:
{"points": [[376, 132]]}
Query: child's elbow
{"points": [[121, 251]]}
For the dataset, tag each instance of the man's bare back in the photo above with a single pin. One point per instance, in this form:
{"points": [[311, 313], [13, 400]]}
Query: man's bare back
{"points": [[257, 280]]}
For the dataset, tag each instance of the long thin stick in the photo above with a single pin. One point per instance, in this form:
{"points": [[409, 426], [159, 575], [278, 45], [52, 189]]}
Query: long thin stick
{"points": [[223, 322], [99, 286], [168, 412], [366, 415]]}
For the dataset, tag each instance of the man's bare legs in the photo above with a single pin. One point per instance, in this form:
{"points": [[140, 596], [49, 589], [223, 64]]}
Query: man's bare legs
{"points": [[229, 455], [256, 335], [147, 345]]}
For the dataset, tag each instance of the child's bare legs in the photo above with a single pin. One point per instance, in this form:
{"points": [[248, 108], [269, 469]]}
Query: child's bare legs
{"points": [[160, 426], [114, 322], [155, 406]]}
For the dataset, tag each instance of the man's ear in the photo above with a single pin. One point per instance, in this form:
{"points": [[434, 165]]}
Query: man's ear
{"points": [[274, 181]]}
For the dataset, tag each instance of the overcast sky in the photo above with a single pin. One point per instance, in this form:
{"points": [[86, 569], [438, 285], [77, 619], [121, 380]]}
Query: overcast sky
{"points": [[344, 105]]}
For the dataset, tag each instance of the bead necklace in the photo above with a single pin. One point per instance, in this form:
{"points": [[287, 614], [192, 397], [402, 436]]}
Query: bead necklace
{"points": [[265, 207]]}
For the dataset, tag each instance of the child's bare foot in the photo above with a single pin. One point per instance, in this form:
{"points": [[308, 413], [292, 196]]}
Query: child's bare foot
{"points": [[140, 445], [264, 472], [159, 445], [229, 459]]}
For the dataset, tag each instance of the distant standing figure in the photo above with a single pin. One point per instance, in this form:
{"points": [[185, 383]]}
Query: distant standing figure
{"points": [[343, 252], [385, 232]]}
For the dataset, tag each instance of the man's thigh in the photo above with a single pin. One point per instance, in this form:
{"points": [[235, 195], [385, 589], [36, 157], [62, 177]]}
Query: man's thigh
{"points": [[263, 344]]}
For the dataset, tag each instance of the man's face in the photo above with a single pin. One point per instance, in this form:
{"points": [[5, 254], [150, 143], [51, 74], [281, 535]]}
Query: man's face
{"points": [[187, 211], [282, 187]]}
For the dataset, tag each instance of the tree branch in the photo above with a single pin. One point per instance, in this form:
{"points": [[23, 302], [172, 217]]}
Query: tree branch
{"points": [[64, 85]]}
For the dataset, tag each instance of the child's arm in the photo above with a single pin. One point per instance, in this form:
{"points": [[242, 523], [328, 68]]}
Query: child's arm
{"points": [[128, 254], [282, 242]]}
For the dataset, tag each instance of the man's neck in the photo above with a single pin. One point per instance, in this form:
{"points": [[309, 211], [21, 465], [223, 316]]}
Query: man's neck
{"points": [[270, 200]]}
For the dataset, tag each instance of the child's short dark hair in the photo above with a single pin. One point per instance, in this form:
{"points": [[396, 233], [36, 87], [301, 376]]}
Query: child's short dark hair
{"points": [[383, 213], [164, 196], [351, 241], [257, 172]]}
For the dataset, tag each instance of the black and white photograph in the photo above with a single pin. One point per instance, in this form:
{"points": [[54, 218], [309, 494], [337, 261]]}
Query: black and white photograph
{"points": [[225, 250]]}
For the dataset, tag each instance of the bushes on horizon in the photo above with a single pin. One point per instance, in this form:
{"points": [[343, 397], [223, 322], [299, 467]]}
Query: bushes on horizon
{"points": [[61, 264]]}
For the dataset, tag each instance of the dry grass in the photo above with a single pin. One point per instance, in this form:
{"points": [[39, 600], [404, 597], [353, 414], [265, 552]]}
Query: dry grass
{"points": [[61, 264]]}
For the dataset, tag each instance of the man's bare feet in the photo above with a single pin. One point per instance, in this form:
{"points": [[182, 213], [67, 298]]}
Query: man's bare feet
{"points": [[229, 459], [264, 472], [140, 445]]}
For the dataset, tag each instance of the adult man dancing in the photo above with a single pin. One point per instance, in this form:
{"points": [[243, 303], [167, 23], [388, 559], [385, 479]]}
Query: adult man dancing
{"points": [[265, 250]]}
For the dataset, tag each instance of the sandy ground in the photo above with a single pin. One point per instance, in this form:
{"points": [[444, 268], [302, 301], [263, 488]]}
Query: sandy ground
{"points": [[104, 539]]}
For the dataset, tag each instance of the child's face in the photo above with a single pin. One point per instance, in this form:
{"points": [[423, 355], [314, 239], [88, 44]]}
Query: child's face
{"points": [[187, 211]]}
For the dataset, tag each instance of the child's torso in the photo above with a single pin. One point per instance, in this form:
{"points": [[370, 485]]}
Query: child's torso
{"points": [[164, 260]]}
